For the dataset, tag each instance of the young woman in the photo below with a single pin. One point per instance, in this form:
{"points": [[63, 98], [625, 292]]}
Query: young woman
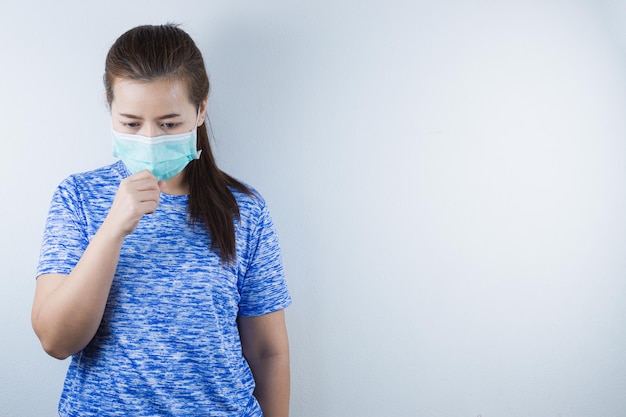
{"points": [[160, 275]]}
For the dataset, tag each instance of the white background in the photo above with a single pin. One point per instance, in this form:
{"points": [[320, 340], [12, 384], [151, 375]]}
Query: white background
{"points": [[447, 179]]}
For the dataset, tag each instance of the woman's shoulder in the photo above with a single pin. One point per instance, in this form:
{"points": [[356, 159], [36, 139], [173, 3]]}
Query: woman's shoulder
{"points": [[99, 178], [248, 196], [250, 201]]}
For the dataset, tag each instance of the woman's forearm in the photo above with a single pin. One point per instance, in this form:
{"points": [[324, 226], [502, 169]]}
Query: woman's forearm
{"points": [[271, 374]]}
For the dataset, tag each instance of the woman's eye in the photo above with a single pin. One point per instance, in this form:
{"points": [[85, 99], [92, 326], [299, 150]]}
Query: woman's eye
{"points": [[131, 125], [170, 125]]}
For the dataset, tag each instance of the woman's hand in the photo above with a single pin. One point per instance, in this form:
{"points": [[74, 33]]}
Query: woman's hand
{"points": [[136, 196]]}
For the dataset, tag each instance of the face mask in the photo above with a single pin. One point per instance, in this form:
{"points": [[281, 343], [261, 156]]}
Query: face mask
{"points": [[165, 156]]}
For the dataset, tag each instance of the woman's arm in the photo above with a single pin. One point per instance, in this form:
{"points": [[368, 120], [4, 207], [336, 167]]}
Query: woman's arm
{"points": [[266, 348], [67, 309]]}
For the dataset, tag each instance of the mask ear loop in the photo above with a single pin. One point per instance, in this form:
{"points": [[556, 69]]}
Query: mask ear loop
{"points": [[197, 117]]}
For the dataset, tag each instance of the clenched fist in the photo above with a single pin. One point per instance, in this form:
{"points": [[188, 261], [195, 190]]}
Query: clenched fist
{"points": [[137, 196]]}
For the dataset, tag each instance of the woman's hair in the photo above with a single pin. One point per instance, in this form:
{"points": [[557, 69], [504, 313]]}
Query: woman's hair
{"points": [[149, 53]]}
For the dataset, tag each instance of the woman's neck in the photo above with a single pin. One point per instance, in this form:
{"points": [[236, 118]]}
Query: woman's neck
{"points": [[175, 186]]}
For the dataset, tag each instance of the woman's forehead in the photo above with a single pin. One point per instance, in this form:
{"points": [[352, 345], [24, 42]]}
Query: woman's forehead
{"points": [[152, 96]]}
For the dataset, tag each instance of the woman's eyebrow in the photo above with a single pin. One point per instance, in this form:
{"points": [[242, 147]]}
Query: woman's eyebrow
{"points": [[169, 116], [166, 116], [130, 116]]}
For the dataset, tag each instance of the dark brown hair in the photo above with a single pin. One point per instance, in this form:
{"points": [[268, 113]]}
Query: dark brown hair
{"points": [[148, 53]]}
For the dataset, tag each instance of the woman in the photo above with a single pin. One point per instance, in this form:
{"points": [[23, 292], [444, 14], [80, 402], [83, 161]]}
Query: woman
{"points": [[160, 274]]}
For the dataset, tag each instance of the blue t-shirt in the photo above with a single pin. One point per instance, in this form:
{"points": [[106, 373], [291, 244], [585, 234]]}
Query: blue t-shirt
{"points": [[168, 343]]}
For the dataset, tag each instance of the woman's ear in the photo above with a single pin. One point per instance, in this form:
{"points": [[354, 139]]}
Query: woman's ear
{"points": [[202, 112]]}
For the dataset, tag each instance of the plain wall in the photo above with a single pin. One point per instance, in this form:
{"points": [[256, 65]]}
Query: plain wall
{"points": [[447, 179]]}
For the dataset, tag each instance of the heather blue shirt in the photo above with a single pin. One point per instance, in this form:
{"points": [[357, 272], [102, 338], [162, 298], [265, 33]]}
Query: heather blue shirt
{"points": [[168, 343]]}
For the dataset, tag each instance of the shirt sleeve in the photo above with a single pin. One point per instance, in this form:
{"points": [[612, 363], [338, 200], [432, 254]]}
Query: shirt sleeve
{"points": [[264, 288], [64, 238]]}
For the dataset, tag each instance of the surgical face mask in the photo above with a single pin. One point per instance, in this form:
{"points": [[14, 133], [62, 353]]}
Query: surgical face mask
{"points": [[165, 156]]}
